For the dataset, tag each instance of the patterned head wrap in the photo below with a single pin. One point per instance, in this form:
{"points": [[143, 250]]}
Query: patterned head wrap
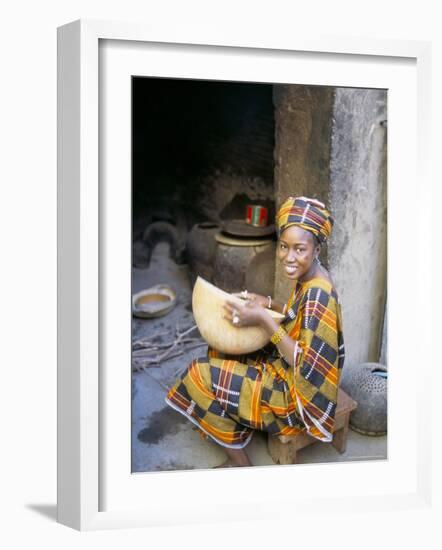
{"points": [[309, 214]]}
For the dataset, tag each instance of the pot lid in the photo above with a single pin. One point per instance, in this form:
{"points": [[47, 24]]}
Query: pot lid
{"points": [[241, 228], [235, 241]]}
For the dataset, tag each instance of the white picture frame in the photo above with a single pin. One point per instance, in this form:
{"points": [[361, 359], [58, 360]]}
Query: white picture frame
{"points": [[95, 487]]}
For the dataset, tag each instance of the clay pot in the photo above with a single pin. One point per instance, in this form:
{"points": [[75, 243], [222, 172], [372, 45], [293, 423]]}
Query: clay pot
{"points": [[220, 334], [260, 273], [367, 384], [237, 259], [200, 248]]}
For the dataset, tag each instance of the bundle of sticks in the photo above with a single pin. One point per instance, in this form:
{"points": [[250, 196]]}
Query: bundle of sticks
{"points": [[151, 351]]}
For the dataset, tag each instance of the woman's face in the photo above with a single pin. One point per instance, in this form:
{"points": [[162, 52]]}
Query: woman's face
{"points": [[296, 252]]}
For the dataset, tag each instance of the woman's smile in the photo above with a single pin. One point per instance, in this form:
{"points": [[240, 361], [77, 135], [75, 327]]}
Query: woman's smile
{"points": [[290, 269]]}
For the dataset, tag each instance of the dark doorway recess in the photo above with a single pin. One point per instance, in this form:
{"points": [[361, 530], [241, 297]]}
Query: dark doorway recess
{"points": [[201, 150]]}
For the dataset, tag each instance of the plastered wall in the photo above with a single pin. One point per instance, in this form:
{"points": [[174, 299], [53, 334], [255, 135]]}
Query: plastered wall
{"points": [[358, 193], [331, 143]]}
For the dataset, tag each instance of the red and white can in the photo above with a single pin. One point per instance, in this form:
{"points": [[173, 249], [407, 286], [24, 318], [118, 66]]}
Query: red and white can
{"points": [[256, 215]]}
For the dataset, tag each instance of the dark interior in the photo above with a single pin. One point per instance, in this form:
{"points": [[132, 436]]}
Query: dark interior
{"points": [[191, 137]]}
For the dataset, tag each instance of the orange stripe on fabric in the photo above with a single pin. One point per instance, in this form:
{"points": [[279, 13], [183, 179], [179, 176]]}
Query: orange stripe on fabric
{"points": [[328, 320], [316, 433], [227, 437], [194, 375], [280, 411], [290, 430], [213, 353], [315, 412], [255, 402], [325, 313], [312, 411], [179, 400], [225, 379], [320, 363]]}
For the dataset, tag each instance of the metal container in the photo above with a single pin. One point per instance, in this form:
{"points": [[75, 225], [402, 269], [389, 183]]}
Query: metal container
{"points": [[256, 215], [367, 384]]}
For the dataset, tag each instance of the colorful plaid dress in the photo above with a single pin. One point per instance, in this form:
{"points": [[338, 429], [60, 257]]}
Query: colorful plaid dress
{"points": [[228, 397]]}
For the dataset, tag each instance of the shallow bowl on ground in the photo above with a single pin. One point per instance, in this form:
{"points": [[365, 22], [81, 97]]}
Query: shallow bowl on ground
{"points": [[220, 334], [153, 302]]}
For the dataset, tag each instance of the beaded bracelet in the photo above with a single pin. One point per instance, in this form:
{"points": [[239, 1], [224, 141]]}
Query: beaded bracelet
{"points": [[278, 336]]}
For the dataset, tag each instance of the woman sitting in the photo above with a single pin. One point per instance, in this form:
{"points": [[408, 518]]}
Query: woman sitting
{"points": [[290, 385]]}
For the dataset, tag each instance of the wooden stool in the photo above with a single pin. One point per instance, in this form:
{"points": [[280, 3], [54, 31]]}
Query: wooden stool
{"points": [[283, 448]]}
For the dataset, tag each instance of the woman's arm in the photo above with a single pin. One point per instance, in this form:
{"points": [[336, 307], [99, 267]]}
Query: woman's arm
{"points": [[286, 346], [252, 314]]}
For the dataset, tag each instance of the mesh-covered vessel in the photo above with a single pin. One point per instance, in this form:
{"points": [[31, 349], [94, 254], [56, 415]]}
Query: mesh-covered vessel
{"points": [[367, 384]]}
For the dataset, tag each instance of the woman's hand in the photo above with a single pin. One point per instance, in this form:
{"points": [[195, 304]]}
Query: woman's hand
{"points": [[262, 301], [248, 315]]}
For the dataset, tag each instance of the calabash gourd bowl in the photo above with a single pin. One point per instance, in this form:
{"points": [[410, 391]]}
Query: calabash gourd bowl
{"points": [[153, 302], [219, 333]]}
